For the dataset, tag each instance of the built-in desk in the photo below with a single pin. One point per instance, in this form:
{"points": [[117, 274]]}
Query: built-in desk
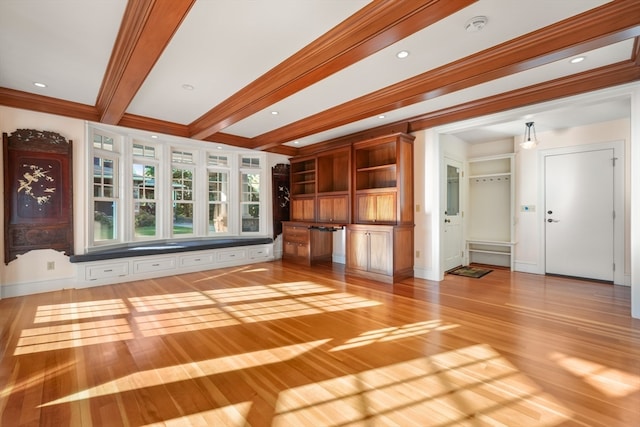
{"points": [[307, 243]]}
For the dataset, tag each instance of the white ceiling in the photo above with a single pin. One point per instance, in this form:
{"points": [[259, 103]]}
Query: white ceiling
{"points": [[223, 45]]}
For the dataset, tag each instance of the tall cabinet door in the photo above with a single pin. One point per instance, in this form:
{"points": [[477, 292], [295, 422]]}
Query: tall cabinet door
{"points": [[380, 251], [357, 249]]}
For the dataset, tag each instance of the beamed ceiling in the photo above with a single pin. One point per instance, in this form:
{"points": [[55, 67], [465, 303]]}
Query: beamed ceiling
{"points": [[215, 70]]}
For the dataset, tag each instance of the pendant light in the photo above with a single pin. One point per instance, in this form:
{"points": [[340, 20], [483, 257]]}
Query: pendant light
{"points": [[530, 140]]}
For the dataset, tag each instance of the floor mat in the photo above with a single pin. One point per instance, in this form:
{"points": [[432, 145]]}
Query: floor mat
{"points": [[475, 272]]}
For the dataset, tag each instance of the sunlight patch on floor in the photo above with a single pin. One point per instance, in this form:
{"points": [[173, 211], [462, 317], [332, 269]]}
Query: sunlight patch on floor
{"points": [[183, 321], [175, 313], [72, 335], [228, 416], [79, 310], [608, 381], [470, 386], [191, 370], [395, 333]]}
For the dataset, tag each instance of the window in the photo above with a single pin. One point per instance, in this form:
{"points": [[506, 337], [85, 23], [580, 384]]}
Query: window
{"points": [[144, 191], [250, 194], [105, 190]]}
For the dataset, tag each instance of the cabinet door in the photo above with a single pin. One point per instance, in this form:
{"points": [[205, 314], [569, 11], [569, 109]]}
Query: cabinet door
{"points": [[380, 252], [333, 209], [386, 207], [377, 207], [303, 209], [358, 249]]}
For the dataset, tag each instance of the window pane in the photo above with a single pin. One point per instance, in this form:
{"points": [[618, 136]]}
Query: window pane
{"points": [[103, 177], [104, 221], [182, 218], [218, 218], [144, 181], [215, 160], [218, 193], [141, 150], [181, 157], [145, 219], [250, 187], [182, 187], [103, 142], [251, 217], [250, 162]]}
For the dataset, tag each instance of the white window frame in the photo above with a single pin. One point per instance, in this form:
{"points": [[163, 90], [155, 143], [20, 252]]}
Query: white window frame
{"points": [[259, 170], [225, 169], [158, 188], [115, 156]]}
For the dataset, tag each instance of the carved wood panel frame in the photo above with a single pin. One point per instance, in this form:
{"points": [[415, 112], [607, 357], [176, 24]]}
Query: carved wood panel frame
{"points": [[38, 192]]}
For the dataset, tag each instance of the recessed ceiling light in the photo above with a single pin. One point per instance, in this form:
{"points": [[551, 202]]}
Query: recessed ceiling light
{"points": [[381, 116], [296, 142], [219, 147], [154, 136], [476, 24], [275, 113], [39, 84], [188, 87], [577, 59], [402, 54]]}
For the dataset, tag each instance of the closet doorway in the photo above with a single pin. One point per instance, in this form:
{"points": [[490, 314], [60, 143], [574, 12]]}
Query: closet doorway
{"points": [[580, 213]]}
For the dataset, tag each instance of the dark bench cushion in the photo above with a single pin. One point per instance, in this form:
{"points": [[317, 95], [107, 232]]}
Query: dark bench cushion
{"points": [[157, 248]]}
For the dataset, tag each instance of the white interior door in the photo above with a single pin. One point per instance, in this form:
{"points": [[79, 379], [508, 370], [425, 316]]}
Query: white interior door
{"points": [[579, 214], [452, 228]]}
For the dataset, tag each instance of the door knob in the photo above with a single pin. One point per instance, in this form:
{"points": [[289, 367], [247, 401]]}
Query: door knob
{"points": [[553, 220], [549, 212]]}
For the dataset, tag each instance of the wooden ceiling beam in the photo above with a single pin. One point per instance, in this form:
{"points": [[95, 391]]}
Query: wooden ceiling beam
{"points": [[611, 23], [146, 29], [45, 104], [374, 27], [600, 78]]}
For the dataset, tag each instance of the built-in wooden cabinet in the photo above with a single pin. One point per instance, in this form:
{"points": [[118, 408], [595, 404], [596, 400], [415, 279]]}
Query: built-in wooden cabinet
{"points": [[333, 209], [383, 180], [306, 244], [303, 189], [303, 208], [366, 187], [380, 252]]}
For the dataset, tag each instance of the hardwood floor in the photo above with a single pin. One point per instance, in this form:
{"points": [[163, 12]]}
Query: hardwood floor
{"points": [[283, 345]]}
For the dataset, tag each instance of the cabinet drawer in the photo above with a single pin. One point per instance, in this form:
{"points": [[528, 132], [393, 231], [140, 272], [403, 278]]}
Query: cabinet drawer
{"points": [[234, 255], [296, 234], [191, 260], [157, 264], [104, 271], [259, 253]]}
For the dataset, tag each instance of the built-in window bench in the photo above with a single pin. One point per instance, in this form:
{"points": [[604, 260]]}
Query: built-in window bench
{"points": [[148, 260]]}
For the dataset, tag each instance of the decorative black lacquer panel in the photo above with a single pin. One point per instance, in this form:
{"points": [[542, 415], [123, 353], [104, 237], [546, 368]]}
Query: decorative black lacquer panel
{"points": [[281, 196], [38, 205]]}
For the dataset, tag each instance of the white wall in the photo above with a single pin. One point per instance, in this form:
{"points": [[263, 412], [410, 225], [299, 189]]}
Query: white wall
{"points": [[31, 268], [528, 231]]}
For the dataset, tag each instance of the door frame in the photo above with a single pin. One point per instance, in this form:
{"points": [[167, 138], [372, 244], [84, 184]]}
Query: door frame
{"points": [[618, 201]]}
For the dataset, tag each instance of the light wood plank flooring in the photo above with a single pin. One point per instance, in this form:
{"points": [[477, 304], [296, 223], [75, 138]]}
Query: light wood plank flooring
{"points": [[279, 345]]}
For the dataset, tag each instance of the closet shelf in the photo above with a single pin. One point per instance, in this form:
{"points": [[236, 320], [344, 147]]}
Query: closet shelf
{"points": [[491, 175]]}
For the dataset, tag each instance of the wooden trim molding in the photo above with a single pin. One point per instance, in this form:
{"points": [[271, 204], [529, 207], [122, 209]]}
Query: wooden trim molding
{"points": [[45, 104]]}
